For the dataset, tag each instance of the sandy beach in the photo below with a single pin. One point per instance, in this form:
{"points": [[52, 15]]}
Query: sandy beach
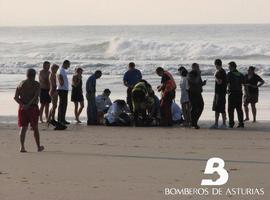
{"points": [[100, 163]]}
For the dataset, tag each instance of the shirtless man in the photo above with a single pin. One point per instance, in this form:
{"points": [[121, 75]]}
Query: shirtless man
{"points": [[45, 98], [53, 94], [26, 96]]}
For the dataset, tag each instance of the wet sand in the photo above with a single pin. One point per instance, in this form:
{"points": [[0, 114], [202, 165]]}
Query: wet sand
{"points": [[100, 163]]}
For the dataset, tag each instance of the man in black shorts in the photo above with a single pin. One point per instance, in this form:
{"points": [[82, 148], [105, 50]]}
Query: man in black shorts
{"points": [[220, 94], [252, 92]]}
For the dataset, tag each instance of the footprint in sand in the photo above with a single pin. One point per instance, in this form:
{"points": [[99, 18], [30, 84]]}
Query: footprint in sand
{"points": [[233, 169], [191, 152], [101, 144], [261, 148], [24, 180]]}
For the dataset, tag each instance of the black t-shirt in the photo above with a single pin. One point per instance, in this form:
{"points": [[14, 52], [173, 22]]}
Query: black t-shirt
{"points": [[195, 82], [254, 80], [221, 88], [235, 80]]}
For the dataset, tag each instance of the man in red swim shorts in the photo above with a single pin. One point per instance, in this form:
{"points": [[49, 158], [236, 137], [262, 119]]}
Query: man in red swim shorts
{"points": [[26, 96]]}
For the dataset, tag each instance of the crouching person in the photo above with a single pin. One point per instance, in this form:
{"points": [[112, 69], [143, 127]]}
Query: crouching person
{"points": [[26, 96], [154, 110], [141, 101], [118, 114], [103, 103]]}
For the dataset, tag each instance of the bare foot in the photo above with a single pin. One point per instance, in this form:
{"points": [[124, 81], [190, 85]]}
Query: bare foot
{"points": [[41, 148], [78, 121], [247, 119]]}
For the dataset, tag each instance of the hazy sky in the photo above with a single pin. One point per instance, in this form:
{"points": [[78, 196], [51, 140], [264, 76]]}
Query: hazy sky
{"points": [[99, 12]]}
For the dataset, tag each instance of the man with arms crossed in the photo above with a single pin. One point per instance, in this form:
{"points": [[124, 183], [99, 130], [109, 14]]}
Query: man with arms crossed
{"points": [[62, 90], [26, 96]]}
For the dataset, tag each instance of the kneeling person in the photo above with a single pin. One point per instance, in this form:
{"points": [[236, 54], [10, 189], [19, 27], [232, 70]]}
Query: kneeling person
{"points": [[141, 101], [103, 103], [117, 114]]}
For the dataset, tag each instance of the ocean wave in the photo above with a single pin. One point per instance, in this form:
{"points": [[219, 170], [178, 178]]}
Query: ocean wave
{"points": [[120, 48], [112, 56], [120, 67]]}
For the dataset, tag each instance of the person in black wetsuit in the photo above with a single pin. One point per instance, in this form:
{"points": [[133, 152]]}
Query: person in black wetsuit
{"points": [[77, 93], [235, 81]]}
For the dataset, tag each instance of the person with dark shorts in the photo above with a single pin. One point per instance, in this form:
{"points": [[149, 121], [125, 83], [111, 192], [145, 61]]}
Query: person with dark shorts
{"points": [[45, 98], [235, 81], [219, 102], [26, 96], [77, 93], [130, 79], [252, 83]]}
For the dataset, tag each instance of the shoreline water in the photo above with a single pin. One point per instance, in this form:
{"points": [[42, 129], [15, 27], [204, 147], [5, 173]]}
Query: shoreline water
{"points": [[111, 48], [9, 107]]}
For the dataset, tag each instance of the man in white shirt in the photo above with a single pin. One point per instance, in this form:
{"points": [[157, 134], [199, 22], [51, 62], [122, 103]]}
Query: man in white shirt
{"points": [[103, 103], [62, 89]]}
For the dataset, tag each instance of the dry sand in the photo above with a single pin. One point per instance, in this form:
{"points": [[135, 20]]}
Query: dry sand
{"points": [[106, 163]]}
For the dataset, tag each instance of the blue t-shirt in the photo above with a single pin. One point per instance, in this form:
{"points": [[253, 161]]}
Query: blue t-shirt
{"points": [[91, 84], [132, 77]]}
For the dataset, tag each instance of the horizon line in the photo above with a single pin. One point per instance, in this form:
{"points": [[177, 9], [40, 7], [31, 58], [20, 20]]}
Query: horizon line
{"points": [[187, 24]]}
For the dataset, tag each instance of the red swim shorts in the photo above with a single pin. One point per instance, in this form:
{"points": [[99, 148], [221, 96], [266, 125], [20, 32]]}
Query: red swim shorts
{"points": [[28, 116]]}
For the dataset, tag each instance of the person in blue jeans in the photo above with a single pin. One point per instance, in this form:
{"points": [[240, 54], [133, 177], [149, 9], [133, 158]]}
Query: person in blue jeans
{"points": [[91, 98]]}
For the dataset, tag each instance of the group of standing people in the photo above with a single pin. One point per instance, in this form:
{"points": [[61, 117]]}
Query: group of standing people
{"points": [[142, 106], [231, 84]]}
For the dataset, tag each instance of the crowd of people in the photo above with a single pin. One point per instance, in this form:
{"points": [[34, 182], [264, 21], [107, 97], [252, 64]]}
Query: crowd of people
{"points": [[142, 106]]}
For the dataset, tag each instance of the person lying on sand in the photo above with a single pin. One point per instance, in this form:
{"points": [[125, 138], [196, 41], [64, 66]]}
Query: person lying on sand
{"points": [[26, 96]]}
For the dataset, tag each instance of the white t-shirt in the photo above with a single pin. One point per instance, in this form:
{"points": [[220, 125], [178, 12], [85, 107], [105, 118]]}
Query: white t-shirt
{"points": [[63, 73], [184, 87], [102, 101], [114, 112]]}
